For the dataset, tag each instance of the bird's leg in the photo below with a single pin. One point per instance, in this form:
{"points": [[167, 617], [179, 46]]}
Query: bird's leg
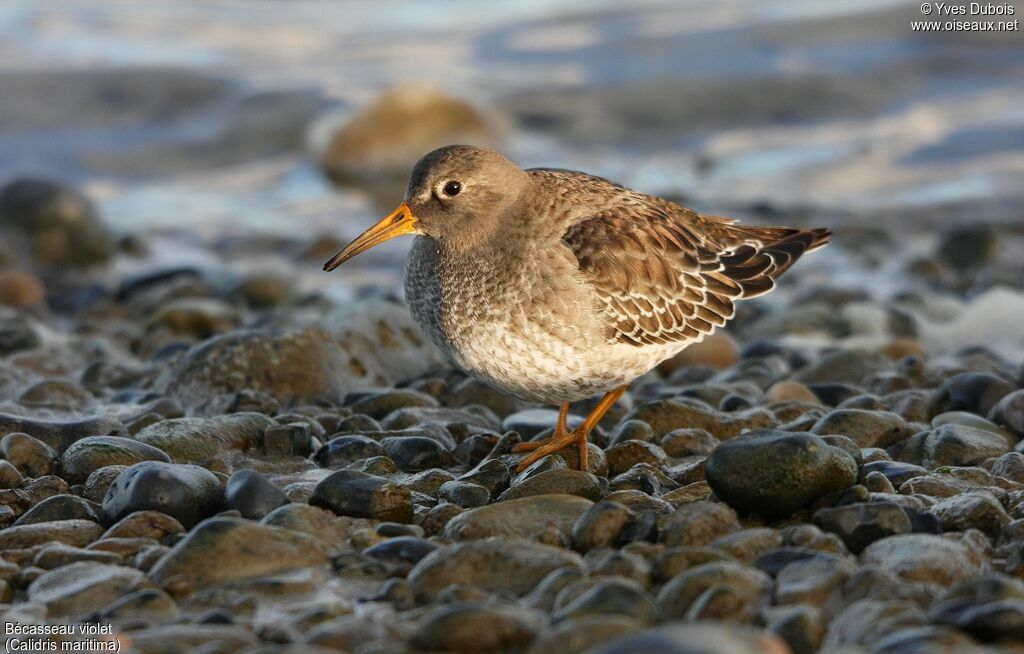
{"points": [[579, 436], [561, 432]]}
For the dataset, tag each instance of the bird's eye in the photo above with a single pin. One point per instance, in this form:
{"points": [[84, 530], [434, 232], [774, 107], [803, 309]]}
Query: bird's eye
{"points": [[452, 188]]}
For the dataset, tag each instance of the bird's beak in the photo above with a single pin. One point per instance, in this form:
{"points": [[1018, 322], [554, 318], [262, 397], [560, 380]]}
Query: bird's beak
{"points": [[398, 222]]}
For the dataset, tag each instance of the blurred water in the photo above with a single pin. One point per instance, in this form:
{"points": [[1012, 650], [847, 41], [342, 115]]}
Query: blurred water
{"points": [[192, 115]]}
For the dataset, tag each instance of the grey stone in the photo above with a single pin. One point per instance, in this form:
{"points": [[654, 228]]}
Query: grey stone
{"points": [[509, 564], [197, 440], [220, 550], [773, 473], [519, 518], [75, 589], [85, 456], [464, 627], [865, 428]]}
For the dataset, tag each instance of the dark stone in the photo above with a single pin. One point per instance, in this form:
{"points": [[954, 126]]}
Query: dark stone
{"points": [[1001, 621], [494, 564], [293, 439], [968, 247], [197, 440], [379, 404], [843, 367], [957, 445], [32, 457], [463, 493], [611, 596], [834, 393], [417, 453], [557, 481], [865, 428], [59, 507], [974, 392], [252, 495], [773, 473], [861, 524], [464, 627], [60, 434], [408, 550], [344, 450], [357, 494], [1009, 413], [775, 560], [492, 474], [896, 472], [185, 492], [53, 224], [601, 526]]}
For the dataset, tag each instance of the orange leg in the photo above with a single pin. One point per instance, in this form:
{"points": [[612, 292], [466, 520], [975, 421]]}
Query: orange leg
{"points": [[561, 431], [562, 438]]}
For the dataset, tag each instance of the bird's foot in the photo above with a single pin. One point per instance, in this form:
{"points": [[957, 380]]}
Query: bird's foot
{"points": [[563, 438], [557, 443]]}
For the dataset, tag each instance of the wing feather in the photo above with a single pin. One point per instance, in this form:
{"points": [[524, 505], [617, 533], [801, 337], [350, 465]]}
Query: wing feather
{"points": [[664, 274]]}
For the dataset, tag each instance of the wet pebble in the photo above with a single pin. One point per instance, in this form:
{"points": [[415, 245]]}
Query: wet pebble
{"points": [[682, 593], [601, 525], [865, 428], [59, 507], [506, 564], [976, 509], [688, 442], [463, 493], [252, 495], [556, 481], [344, 450], [77, 533], [923, 557], [30, 456], [77, 588], [773, 473], [185, 492], [196, 440], [861, 524], [464, 627], [523, 517], [667, 415], [612, 596], [228, 549], [85, 456], [957, 445], [54, 224], [1009, 412], [361, 495], [973, 392], [417, 453]]}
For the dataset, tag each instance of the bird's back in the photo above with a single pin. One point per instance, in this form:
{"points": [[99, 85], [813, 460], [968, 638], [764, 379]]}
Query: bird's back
{"points": [[595, 286]]}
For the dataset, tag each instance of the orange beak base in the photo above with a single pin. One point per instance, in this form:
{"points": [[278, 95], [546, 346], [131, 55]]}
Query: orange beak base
{"points": [[398, 222]]}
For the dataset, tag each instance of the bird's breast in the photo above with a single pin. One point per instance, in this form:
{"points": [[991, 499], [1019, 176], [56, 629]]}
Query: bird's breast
{"points": [[508, 319]]}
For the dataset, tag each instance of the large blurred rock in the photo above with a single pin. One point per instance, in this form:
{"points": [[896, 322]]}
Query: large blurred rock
{"points": [[388, 137], [55, 225], [227, 549], [364, 345]]}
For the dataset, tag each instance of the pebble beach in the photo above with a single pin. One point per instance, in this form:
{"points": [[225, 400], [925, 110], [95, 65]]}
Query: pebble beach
{"points": [[209, 445]]}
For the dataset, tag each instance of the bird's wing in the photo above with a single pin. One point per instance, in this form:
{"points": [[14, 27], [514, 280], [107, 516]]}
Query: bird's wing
{"points": [[664, 274]]}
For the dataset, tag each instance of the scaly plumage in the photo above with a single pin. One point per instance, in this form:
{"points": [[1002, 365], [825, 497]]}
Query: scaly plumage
{"points": [[555, 285]]}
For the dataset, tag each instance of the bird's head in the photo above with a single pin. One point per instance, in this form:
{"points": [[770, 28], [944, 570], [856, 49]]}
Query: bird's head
{"points": [[458, 195]]}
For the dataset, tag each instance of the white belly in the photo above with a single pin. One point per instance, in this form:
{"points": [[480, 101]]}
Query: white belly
{"points": [[539, 338]]}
